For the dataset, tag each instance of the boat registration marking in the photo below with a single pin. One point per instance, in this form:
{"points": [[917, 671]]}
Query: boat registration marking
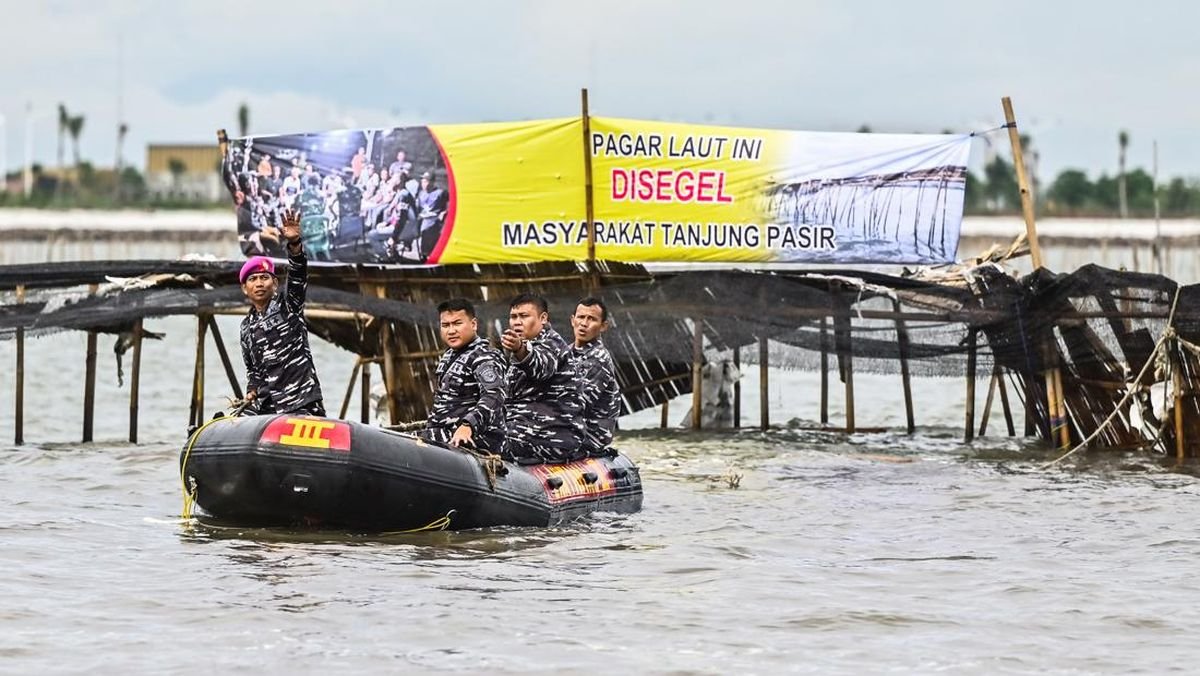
{"points": [[309, 433]]}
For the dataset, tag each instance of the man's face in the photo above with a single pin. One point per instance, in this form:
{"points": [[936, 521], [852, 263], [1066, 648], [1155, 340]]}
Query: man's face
{"points": [[260, 287], [458, 329], [587, 323], [527, 320], [400, 156]]}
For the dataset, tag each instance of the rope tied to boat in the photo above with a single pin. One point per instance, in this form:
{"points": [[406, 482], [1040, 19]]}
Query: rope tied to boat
{"points": [[189, 492], [1158, 357], [489, 462], [440, 523]]}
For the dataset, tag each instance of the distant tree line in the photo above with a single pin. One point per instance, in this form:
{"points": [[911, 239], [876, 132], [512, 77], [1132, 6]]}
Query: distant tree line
{"points": [[1073, 193]]}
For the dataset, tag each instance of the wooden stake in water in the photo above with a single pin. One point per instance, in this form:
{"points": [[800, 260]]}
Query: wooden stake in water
{"points": [[135, 379], [737, 388], [89, 381], [225, 362], [350, 389], [763, 399], [969, 432], [697, 373], [19, 412], [905, 380], [824, 370]]}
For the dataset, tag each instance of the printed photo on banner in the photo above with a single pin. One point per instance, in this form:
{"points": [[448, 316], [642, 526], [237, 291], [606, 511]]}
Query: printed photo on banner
{"points": [[376, 195]]}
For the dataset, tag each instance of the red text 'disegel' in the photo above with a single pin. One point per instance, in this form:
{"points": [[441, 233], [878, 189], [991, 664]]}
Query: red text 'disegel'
{"points": [[669, 185]]}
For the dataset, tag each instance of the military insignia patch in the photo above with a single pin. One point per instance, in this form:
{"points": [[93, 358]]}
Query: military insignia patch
{"points": [[487, 373]]}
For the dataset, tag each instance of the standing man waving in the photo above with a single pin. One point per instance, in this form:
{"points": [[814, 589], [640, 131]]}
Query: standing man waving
{"points": [[280, 374]]}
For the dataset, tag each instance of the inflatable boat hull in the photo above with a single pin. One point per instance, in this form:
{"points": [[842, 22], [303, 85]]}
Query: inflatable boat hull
{"points": [[290, 470]]}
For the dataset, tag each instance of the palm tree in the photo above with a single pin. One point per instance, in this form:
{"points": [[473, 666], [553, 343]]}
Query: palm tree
{"points": [[122, 131], [75, 127], [1123, 140], [63, 120], [243, 115]]}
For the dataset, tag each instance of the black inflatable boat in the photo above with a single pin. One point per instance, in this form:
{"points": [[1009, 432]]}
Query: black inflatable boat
{"points": [[300, 470]]}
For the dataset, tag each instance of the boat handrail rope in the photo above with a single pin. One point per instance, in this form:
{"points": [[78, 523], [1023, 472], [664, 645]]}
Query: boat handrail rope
{"points": [[189, 495], [1160, 350]]}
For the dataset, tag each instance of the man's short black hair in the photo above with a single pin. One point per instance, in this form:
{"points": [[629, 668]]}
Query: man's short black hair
{"points": [[457, 305], [530, 299], [592, 301]]}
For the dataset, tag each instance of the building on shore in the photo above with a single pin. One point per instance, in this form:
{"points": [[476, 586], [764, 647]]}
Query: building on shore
{"points": [[183, 171]]}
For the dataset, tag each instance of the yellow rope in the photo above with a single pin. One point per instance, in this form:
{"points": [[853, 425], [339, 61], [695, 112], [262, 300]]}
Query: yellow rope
{"points": [[440, 523], [1159, 348], [189, 496]]}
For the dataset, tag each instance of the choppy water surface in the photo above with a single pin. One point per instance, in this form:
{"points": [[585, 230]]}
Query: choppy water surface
{"points": [[835, 554]]}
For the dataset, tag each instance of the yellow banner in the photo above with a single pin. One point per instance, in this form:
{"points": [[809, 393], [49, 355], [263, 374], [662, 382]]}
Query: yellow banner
{"points": [[516, 192]]}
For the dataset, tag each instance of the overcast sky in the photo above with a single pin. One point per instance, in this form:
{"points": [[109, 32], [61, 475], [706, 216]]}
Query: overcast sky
{"points": [[1078, 72]]}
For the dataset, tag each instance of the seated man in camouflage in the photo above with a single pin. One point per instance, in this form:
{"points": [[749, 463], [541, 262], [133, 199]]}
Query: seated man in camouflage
{"points": [[542, 412], [280, 374], [599, 393], [468, 404]]}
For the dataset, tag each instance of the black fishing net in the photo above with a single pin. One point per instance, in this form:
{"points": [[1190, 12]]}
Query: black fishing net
{"points": [[1097, 327]]}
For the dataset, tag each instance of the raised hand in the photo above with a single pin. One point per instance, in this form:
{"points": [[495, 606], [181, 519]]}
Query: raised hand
{"points": [[291, 225]]}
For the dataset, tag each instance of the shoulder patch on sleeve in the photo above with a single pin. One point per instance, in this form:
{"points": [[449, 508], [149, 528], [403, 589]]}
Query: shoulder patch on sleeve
{"points": [[487, 373]]}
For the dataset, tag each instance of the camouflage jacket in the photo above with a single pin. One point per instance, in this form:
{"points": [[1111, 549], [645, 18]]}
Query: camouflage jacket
{"points": [[470, 389], [543, 407], [279, 363], [599, 394]]}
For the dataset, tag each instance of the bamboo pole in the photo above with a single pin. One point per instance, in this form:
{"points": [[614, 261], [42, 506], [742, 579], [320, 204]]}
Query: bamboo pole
{"points": [[1064, 430], [764, 403], [1051, 406], [135, 380], [1008, 419], [19, 407], [197, 410], [1030, 407], [824, 370], [969, 430], [1055, 406], [1177, 383], [588, 197], [389, 375], [350, 389], [697, 372], [365, 395], [905, 378], [842, 336], [225, 362], [737, 388], [987, 404], [1014, 138], [89, 381]]}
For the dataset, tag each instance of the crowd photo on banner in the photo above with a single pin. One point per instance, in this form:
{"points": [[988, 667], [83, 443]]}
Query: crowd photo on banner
{"points": [[363, 196]]}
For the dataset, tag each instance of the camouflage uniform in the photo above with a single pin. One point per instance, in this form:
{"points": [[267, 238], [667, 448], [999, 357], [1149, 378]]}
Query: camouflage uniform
{"points": [[279, 363], [599, 393], [470, 389], [543, 410]]}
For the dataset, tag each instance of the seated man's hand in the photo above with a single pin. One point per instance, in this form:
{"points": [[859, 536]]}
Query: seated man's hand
{"points": [[462, 435], [251, 396]]}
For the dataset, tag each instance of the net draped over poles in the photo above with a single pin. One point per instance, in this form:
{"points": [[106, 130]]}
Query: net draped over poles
{"points": [[1098, 326], [661, 192]]}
